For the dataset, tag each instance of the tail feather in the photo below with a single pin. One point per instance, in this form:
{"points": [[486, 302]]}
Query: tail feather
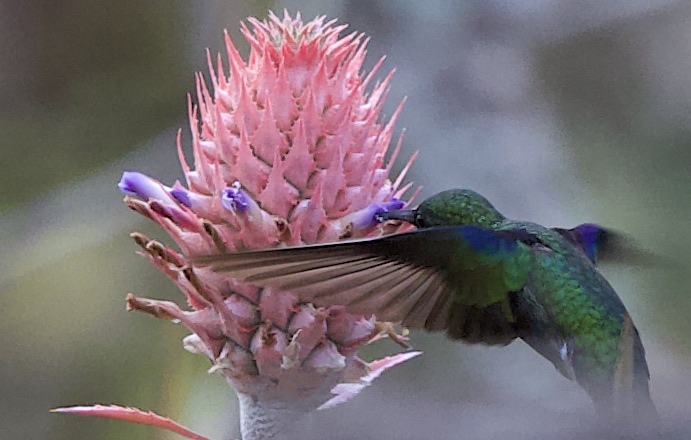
{"points": [[630, 399]]}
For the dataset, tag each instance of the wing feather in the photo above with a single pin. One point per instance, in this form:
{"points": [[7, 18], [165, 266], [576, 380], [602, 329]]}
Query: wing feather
{"points": [[370, 297], [445, 278], [388, 294], [438, 318], [341, 281], [293, 277], [431, 292]]}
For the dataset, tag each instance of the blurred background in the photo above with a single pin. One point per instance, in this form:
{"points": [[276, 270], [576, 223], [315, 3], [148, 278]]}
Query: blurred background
{"points": [[559, 111]]}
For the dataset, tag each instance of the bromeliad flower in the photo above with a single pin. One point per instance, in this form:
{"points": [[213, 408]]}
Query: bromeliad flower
{"points": [[290, 151]]}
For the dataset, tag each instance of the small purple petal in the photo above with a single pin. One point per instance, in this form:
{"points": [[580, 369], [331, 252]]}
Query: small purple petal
{"points": [[181, 194], [128, 182], [394, 203], [234, 199], [142, 186]]}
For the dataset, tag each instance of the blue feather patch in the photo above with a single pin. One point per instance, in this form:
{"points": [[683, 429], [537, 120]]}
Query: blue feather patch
{"points": [[591, 237], [487, 241]]}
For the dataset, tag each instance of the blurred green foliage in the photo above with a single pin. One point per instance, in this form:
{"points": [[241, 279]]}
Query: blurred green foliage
{"points": [[100, 81]]}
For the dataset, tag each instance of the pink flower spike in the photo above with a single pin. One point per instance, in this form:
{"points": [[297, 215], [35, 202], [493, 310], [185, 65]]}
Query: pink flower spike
{"points": [[133, 415], [289, 148]]}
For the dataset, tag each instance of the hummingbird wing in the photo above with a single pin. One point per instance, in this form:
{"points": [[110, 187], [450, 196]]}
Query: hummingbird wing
{"points": [[459, 279], [605, 245]]}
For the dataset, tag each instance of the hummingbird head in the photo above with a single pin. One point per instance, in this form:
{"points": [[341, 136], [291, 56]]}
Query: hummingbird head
{"points": [[454, 207]]}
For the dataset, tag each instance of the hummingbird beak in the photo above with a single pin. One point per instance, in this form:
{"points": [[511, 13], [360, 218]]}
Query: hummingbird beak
{"points": [[407, 215]]}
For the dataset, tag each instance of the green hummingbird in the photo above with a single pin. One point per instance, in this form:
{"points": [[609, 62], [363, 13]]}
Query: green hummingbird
{"points": [[481, 278]]}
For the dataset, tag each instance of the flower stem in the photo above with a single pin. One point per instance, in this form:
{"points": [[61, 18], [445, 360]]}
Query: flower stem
{"points": [[263, 420]]}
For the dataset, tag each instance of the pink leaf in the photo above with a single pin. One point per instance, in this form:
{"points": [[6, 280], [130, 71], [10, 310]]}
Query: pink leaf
{"points": [[128, 414], [345, 391]]}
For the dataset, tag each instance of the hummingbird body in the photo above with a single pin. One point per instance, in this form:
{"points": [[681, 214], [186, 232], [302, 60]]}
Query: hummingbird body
{"points": [[574, 317], [481, 278]]}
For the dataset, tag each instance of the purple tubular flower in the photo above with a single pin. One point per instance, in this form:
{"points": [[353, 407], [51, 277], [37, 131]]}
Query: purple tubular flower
{"points": [[181, 194], [367, 218], [234, 199], [140, 185], [394, 203]]}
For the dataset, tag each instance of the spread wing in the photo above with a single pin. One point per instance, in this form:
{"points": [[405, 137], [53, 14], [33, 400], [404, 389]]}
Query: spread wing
{"points": [[459, 279]]}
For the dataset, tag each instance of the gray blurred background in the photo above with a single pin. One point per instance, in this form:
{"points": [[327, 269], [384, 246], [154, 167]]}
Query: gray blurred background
{"points": [[558, 111]]}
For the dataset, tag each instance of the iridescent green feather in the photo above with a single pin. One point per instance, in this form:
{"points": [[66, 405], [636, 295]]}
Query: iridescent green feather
{"points": [[580, 303]]}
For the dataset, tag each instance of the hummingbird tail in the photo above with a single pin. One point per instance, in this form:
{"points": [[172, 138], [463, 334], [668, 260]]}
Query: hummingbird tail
{"points": [[631, 403]]}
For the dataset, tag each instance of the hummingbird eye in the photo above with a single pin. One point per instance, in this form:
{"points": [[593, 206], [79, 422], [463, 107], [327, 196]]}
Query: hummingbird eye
{"points": [[419, 221]]}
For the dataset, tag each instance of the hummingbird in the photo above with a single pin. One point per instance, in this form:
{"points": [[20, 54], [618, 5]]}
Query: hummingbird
{"points": [[481, 278]]}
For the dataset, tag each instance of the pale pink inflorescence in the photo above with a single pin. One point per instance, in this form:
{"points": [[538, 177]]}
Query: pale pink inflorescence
{"points": [[291, 151]]}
